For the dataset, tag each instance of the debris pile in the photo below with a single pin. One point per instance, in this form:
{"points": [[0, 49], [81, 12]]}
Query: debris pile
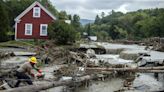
{"points": [[53, 55], [79, 68], [5, 55], [66, 71]]}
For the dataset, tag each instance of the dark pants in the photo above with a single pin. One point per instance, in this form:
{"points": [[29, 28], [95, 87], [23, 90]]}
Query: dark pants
{"points": [[24, 78]]}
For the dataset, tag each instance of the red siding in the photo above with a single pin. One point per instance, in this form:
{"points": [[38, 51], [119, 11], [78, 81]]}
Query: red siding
{"points": [[28, 18]]}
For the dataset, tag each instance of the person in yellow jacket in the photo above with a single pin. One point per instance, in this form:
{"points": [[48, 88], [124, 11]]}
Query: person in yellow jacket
{"points": [[24, 71]]}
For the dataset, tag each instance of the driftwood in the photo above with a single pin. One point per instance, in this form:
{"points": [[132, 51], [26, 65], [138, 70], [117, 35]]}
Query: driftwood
{"points": [[152, 71], [48, 85], [78, 56], [81, 57], [138, 69], [145, 71]]}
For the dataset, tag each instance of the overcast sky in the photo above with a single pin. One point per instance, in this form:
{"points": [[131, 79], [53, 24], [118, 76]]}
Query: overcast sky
{"points": [[88, 9]]}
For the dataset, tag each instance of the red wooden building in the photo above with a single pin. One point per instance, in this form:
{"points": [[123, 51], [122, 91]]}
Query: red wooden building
{"points": [[33, 22]]}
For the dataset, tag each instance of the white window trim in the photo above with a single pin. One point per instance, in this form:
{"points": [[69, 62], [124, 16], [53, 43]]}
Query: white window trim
{"points": [[41, 31], [26, 29], [39, 10]]}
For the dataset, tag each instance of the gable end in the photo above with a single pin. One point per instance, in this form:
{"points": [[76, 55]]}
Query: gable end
{"points": [[17, 19]]}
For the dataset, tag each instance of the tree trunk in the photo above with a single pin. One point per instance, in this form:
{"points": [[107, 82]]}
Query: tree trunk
{"points": [[145, 71], [138, 69], [47, 85]]}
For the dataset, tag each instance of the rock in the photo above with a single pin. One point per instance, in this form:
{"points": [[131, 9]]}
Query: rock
{"points": [[114, 51], [132, 54], [91, 53]]}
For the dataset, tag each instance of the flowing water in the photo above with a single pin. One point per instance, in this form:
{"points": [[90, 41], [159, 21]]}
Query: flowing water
{"points": [[145, 82]]}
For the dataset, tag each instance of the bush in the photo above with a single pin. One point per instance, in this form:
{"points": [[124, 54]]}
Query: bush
{"points": [[62, 33]]}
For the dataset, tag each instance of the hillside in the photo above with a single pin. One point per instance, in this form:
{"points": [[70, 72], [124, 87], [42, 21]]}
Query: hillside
{"points": [[135, 25]]}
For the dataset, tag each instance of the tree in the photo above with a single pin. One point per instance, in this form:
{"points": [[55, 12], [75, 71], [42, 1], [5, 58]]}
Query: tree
{"points": [[49, 6], [120, 33], [102, 14], [135, 25], [63, 15], [160, 24], [70, 17], [102, 36], [4, 23], [62, 33], [15, 7], [89, 29], [76, 21], [97, 20]]}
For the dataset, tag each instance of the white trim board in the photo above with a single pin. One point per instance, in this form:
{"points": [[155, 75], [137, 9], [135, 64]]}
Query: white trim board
{"points": [[30, 7]]}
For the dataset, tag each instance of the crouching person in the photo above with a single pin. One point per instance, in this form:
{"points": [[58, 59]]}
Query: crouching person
{"points": [[23, 73]]}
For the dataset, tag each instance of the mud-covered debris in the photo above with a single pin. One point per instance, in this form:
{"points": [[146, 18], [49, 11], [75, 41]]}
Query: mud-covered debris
{"points": [[67, 70], [5, 55], [54, 55]]}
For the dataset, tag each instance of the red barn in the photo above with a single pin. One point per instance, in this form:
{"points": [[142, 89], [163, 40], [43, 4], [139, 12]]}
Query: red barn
{"points": [[33, 22]]}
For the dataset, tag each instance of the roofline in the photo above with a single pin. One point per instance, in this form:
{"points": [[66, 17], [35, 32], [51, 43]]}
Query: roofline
{"points": [[30, 7]]}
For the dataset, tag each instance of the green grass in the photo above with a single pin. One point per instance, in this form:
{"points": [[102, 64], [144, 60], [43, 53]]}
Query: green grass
{"points": [[17, 43], [33, 43]]}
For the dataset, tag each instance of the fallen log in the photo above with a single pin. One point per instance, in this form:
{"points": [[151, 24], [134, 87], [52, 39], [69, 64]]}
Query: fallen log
{"points": [[152, 71], [48, 85], [137, 69], [142, 71]]}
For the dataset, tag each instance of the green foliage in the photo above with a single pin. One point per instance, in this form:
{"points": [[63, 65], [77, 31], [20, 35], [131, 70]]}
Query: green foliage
{"points": [[15, 7], [102, 14], [97, 19], [102, 36], [133, 25], [50, 7], [62, 15], [63, 33], [121, 33], [101, 31], [76, 21], [4, 23], [88, 29]]}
